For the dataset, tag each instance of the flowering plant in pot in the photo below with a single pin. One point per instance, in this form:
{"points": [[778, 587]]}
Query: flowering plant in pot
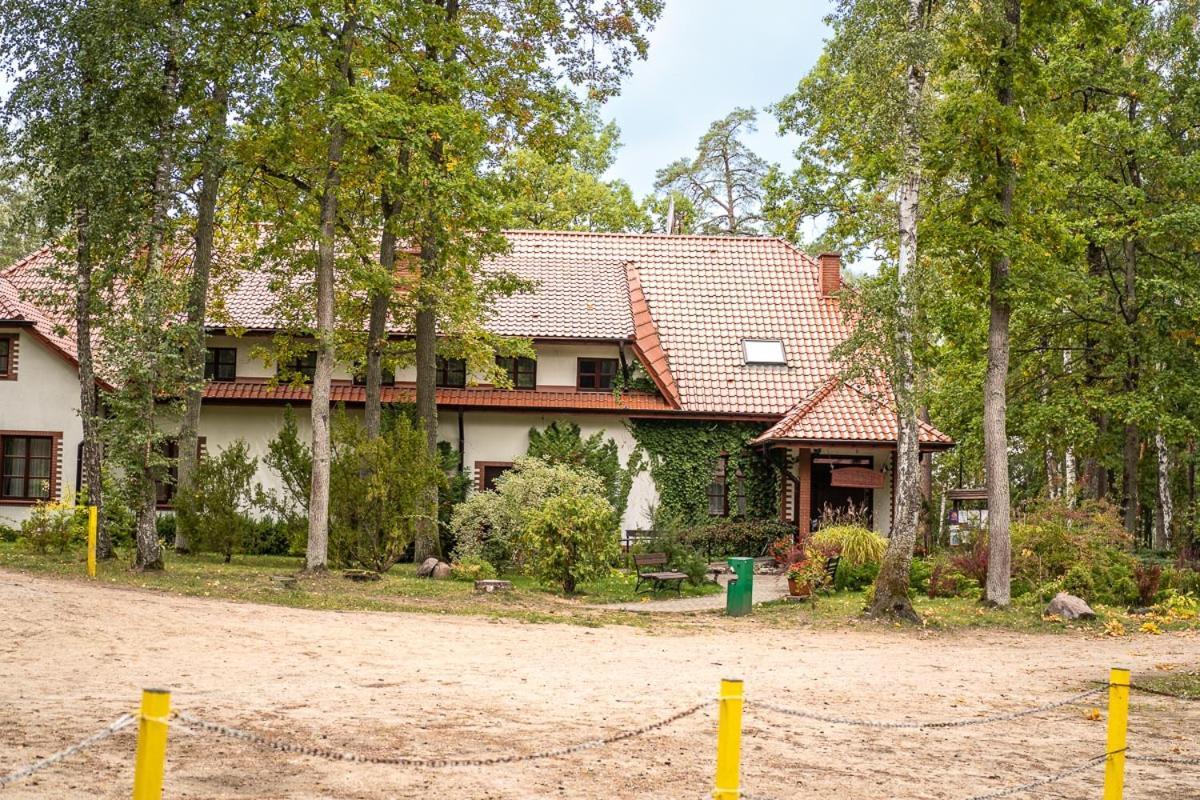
{"points": [[805, 574]]}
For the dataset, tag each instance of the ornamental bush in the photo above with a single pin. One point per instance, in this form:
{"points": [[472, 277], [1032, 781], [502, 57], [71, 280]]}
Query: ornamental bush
{"points": [[562, 443], [376, 490], [55, 525], [571, 538], [736, 537], [1082, 550], [217, 507], [489, 525]]}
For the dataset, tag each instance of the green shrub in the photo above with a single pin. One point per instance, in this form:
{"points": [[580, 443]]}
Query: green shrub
{"points": [[217, 507], [1180, 580], [8, 533], [919, 573], [55, 525], [164, 527], [116, 516], [376, 490], [268, 537], [673, 538], [571, 539], [472, 568], [1083, 550], [853, 578], [736, 537], [489, 524], [290, 458], [562, 443], [858, 546]]}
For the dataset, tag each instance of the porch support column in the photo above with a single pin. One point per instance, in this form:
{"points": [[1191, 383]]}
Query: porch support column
{"points": [[803, 492]]}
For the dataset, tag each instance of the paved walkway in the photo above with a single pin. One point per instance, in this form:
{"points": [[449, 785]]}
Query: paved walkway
{"points": [[766, 587]]}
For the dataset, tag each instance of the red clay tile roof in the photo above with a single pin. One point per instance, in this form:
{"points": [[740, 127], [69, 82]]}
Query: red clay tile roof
{"points": [[841, 412], [19, 285], [471, 397], [646, 342], [685, 303]]}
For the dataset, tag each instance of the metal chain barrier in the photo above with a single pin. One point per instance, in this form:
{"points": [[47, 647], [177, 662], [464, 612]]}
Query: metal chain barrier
{"points": [[1058, 776], [113, 727], [1181, 760], [404, 761], [961, 723], [1147, 690]]}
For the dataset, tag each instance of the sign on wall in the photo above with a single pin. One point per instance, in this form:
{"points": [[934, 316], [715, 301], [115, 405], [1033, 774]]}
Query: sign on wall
{"points": [[856, 478]]}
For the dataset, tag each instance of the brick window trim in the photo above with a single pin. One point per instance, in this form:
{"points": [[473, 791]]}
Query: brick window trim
{"points": [[14, 353], [55, 467], [201, 452], [481, 471]]}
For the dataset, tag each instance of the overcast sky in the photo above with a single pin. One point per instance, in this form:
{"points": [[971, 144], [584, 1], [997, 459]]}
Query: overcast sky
{"points": [[706, 58]]}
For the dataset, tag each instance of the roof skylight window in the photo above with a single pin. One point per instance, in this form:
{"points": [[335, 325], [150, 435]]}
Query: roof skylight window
{"points": [[764, 351]]}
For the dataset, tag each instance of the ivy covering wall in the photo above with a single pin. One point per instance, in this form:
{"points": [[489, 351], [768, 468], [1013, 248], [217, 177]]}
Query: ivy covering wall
{"points": [[682, 456]]}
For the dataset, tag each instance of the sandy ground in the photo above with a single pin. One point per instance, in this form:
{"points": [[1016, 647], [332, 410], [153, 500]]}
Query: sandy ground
{"points": [[73, 657]]}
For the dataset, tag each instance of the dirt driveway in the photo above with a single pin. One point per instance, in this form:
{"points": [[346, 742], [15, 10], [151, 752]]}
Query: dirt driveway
{"points": [[73, 657]]}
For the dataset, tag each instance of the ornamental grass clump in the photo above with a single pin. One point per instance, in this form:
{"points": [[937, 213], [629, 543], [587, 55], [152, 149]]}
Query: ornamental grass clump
{"points": [[858, 546]]}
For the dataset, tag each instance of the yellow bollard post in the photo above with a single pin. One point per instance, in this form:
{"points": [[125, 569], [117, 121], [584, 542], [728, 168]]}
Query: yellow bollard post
{"points": [[92, 522], [1118, 725], [729, 741], [151, 745]]}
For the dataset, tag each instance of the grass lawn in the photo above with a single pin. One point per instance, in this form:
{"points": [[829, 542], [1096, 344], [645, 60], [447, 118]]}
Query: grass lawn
{"points": [[248, 579]]}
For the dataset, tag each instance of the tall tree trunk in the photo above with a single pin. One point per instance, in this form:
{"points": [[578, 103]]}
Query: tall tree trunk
{"points": [[1166, 507], [426, 541], [892, 584], [381, 301], [92, 476], [1070, 475], [88, 412], [995, 401], [926, 486], [212, 170], [149, 550], [316, 556], [1095, 474]]}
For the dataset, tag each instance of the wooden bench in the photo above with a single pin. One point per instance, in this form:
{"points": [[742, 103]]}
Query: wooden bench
{"points": [[660, 579], [831, 568]]}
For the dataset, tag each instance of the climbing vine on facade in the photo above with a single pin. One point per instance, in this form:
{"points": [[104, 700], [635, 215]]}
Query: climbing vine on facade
{"points": [[684, 455]]}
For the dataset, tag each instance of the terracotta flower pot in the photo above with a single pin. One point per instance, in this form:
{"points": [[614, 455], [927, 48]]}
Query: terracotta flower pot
{"points": [[799, 590]]}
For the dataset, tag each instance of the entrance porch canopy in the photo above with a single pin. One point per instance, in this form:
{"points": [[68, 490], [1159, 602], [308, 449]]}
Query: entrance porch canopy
{"points": [[836, 417]]}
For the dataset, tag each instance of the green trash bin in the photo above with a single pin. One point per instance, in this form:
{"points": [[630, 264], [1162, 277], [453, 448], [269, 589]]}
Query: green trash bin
{"points": [[739, 595]]}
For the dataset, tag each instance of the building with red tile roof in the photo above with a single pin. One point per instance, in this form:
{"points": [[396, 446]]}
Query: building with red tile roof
{"points": [[736, 329]]}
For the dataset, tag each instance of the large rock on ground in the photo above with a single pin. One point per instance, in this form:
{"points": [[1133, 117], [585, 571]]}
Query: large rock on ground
{"points": [[441, 571], [1068, 606], [427, 567]]}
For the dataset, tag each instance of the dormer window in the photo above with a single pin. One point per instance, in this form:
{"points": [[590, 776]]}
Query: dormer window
{"points": [[764, 351]]}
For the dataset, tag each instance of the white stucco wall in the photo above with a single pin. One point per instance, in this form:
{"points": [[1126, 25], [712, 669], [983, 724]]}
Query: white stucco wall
{"points": [[488, 436], [556, 363], [44, 399]]}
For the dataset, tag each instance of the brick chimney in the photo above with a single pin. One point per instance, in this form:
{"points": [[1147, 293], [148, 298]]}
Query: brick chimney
{"points": [[829, 269]]}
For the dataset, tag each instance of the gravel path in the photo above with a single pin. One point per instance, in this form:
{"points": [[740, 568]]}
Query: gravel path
{"points": [[74, 656], [766, 588]]}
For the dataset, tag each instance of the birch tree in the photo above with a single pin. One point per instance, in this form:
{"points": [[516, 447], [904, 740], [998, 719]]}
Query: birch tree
{"points": [[862, 113]]}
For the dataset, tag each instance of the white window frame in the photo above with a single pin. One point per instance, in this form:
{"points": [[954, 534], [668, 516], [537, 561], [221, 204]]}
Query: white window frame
{"points": [[760, 358]]}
